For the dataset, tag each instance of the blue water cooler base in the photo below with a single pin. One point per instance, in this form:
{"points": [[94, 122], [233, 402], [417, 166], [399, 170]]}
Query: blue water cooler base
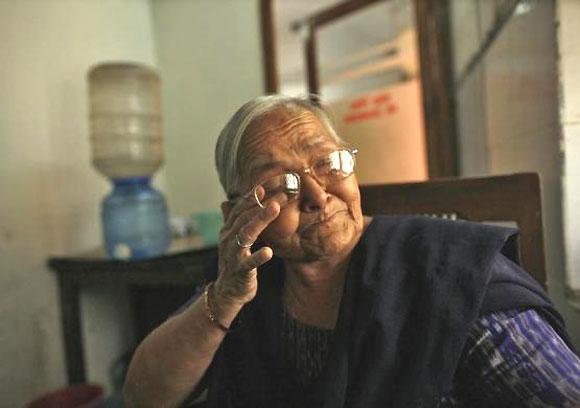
{"points": [[135, 220]]}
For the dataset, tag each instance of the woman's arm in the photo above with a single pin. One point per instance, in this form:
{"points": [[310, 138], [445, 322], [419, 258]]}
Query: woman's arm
{"points": [[170, 363], [515, 358]]}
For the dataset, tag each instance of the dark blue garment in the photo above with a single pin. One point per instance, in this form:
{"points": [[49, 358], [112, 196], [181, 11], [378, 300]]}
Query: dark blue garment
{"points": [[414, 287]]}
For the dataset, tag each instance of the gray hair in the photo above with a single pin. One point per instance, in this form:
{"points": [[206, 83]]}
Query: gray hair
{"points": [[227, 150]]}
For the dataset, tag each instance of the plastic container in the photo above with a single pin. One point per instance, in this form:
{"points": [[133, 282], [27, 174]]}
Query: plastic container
{"points": [[135, 221], [73, 396], [125, 119], [208, 225]]}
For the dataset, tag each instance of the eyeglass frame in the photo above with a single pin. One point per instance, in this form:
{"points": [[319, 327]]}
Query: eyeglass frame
{"points": [[306, 170]]}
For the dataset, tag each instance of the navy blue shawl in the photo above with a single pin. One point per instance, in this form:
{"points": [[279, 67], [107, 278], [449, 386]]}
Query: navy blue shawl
{"points": [[414, 287]]}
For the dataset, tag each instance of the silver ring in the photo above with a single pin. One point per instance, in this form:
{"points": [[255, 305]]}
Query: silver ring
{"points": [[242, 245], [257, 199]]}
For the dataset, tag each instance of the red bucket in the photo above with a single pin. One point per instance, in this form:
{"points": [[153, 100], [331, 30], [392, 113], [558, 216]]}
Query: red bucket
{"points": [[73, 396]]}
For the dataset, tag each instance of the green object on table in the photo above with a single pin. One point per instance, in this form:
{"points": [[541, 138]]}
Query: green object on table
{"points": [[208, 225]]}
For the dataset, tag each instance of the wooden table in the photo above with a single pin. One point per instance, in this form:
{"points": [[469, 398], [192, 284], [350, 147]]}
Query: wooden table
{"points": [[179, 270]]}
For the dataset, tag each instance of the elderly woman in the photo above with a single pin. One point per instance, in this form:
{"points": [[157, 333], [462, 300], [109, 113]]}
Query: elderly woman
{"points": [[313, 304]]}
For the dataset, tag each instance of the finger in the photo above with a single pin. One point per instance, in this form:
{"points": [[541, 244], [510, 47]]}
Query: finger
{"points": [[281, 198], [248, 215], [256, 225], [256, 259], [240, 206], [243, 204], [258, 194]]}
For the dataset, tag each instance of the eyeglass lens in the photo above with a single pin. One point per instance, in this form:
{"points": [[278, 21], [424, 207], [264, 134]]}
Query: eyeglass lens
{"points": [[328, 169]]}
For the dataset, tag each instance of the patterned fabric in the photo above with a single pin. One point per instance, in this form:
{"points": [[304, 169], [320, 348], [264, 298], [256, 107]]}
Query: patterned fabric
{"points": [[511, 359], [515, 359]]}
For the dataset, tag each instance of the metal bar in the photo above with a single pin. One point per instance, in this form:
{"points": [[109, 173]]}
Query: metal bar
{"points": [[502, 16], [330, 14]]}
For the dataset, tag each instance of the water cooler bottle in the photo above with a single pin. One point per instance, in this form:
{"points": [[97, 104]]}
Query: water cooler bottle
{"points": [[125, 120]]}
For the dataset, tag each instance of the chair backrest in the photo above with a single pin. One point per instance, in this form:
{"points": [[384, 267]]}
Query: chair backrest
{"points": [[513, 198]]}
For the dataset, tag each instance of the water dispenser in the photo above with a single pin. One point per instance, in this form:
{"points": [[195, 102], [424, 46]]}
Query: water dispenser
{"points": [[126, 140]]}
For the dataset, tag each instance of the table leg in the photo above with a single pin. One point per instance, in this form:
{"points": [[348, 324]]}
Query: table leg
{"points": [[71, 329]]}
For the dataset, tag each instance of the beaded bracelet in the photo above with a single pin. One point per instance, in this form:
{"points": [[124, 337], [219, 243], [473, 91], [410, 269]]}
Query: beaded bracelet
{"points": [[210, 314]]}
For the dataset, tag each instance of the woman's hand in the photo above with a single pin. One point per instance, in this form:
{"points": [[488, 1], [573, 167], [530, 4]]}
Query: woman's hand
{"points": [[237, 282]]}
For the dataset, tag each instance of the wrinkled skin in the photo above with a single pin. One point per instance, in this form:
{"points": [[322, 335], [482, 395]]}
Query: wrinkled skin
{"points": [[324, 223]]}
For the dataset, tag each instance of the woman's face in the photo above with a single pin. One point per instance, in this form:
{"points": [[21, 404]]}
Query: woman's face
{"points": [[322, 221]]}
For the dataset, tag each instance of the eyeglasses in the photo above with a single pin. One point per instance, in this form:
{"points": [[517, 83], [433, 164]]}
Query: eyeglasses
{"points": [[326, 170]]}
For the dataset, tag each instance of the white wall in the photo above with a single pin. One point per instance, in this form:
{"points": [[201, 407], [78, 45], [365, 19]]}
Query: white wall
{"points": [[211, 63], [568, 15], [50, 193], [209, 55], [508, 115], [524, 129], [467, 34]]}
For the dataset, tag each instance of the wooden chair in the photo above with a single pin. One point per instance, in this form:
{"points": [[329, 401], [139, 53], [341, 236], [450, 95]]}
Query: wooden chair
{"points": [[508, 198]]}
